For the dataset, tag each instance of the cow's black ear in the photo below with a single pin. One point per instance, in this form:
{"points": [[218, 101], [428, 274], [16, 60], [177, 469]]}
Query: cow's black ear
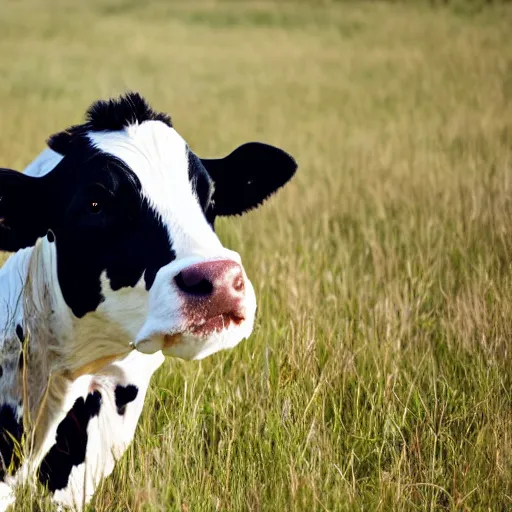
{"points": [[248, 176], [62, 141], [22, 221]]}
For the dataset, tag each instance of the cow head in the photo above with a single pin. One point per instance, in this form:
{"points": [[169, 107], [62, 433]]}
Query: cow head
{"points": [[133, 211]]}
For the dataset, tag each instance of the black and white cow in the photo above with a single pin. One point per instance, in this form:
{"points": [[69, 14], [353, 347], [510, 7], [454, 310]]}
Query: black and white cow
{"points": [[136, 262]]}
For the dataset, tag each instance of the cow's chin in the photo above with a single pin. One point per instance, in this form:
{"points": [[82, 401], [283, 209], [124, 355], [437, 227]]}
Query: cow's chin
{"points": [[198, 340]]}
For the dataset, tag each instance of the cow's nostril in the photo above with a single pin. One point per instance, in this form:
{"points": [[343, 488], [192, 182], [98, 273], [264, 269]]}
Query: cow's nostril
{"points": [[193, 282], [238, 283]]}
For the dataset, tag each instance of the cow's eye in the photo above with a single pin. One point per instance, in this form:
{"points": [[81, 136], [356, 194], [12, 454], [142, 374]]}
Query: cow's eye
{"points": [[95, 207]]}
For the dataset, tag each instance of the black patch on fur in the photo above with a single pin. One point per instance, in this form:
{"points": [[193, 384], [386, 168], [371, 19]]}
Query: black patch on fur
{"points": [[70, 443], [1, 371], [11, 432], [20, 333], [125, 395]]}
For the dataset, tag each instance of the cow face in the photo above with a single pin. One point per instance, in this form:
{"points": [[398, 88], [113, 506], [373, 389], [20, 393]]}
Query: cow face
{"points": [[133, 211]]}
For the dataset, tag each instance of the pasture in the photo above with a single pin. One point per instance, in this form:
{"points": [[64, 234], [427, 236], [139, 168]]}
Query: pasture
{"points": [[379, 374]]}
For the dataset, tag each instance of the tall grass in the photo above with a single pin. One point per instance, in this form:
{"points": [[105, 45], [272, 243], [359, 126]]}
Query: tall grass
{"points": [[378, 376]]}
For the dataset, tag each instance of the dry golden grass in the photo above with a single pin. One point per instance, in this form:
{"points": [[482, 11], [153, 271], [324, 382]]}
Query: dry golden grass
{"points": [[379, 373]]}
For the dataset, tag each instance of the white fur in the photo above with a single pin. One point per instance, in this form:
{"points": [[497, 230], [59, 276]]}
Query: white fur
{"points": [[6, 496]]}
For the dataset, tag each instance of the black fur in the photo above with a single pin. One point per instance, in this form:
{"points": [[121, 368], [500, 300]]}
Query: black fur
{"points": [[116, 114], [20, 334], [11, 431], [62, 142], [125, 395], [70, 443]]}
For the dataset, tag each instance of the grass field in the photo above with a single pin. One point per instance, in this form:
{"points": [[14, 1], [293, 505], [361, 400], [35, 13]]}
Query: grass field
{"points": [[379, 374]]}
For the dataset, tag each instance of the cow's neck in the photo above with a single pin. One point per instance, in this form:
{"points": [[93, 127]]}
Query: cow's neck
{"points": [[102, 336], [92, 344]]}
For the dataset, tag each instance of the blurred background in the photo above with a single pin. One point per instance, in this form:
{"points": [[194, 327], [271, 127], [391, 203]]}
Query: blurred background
{"points": [[378, 376]]}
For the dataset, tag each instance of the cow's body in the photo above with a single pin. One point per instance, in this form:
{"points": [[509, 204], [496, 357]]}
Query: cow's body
{"points": [[135, 262], [82, 424]]}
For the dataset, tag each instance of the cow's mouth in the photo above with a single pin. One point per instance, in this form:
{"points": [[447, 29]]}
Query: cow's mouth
{"points": [[216, 323], [205, 327]]}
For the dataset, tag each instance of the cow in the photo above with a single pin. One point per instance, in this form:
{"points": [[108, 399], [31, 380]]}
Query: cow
{"points": [[123, 213]]}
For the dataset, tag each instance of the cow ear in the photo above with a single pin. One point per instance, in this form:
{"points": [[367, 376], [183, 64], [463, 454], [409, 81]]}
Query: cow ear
{"points": [[21, 220], [248, 176]]}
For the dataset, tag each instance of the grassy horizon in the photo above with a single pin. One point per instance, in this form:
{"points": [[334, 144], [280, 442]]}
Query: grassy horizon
{"points": [[378, 376]]}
